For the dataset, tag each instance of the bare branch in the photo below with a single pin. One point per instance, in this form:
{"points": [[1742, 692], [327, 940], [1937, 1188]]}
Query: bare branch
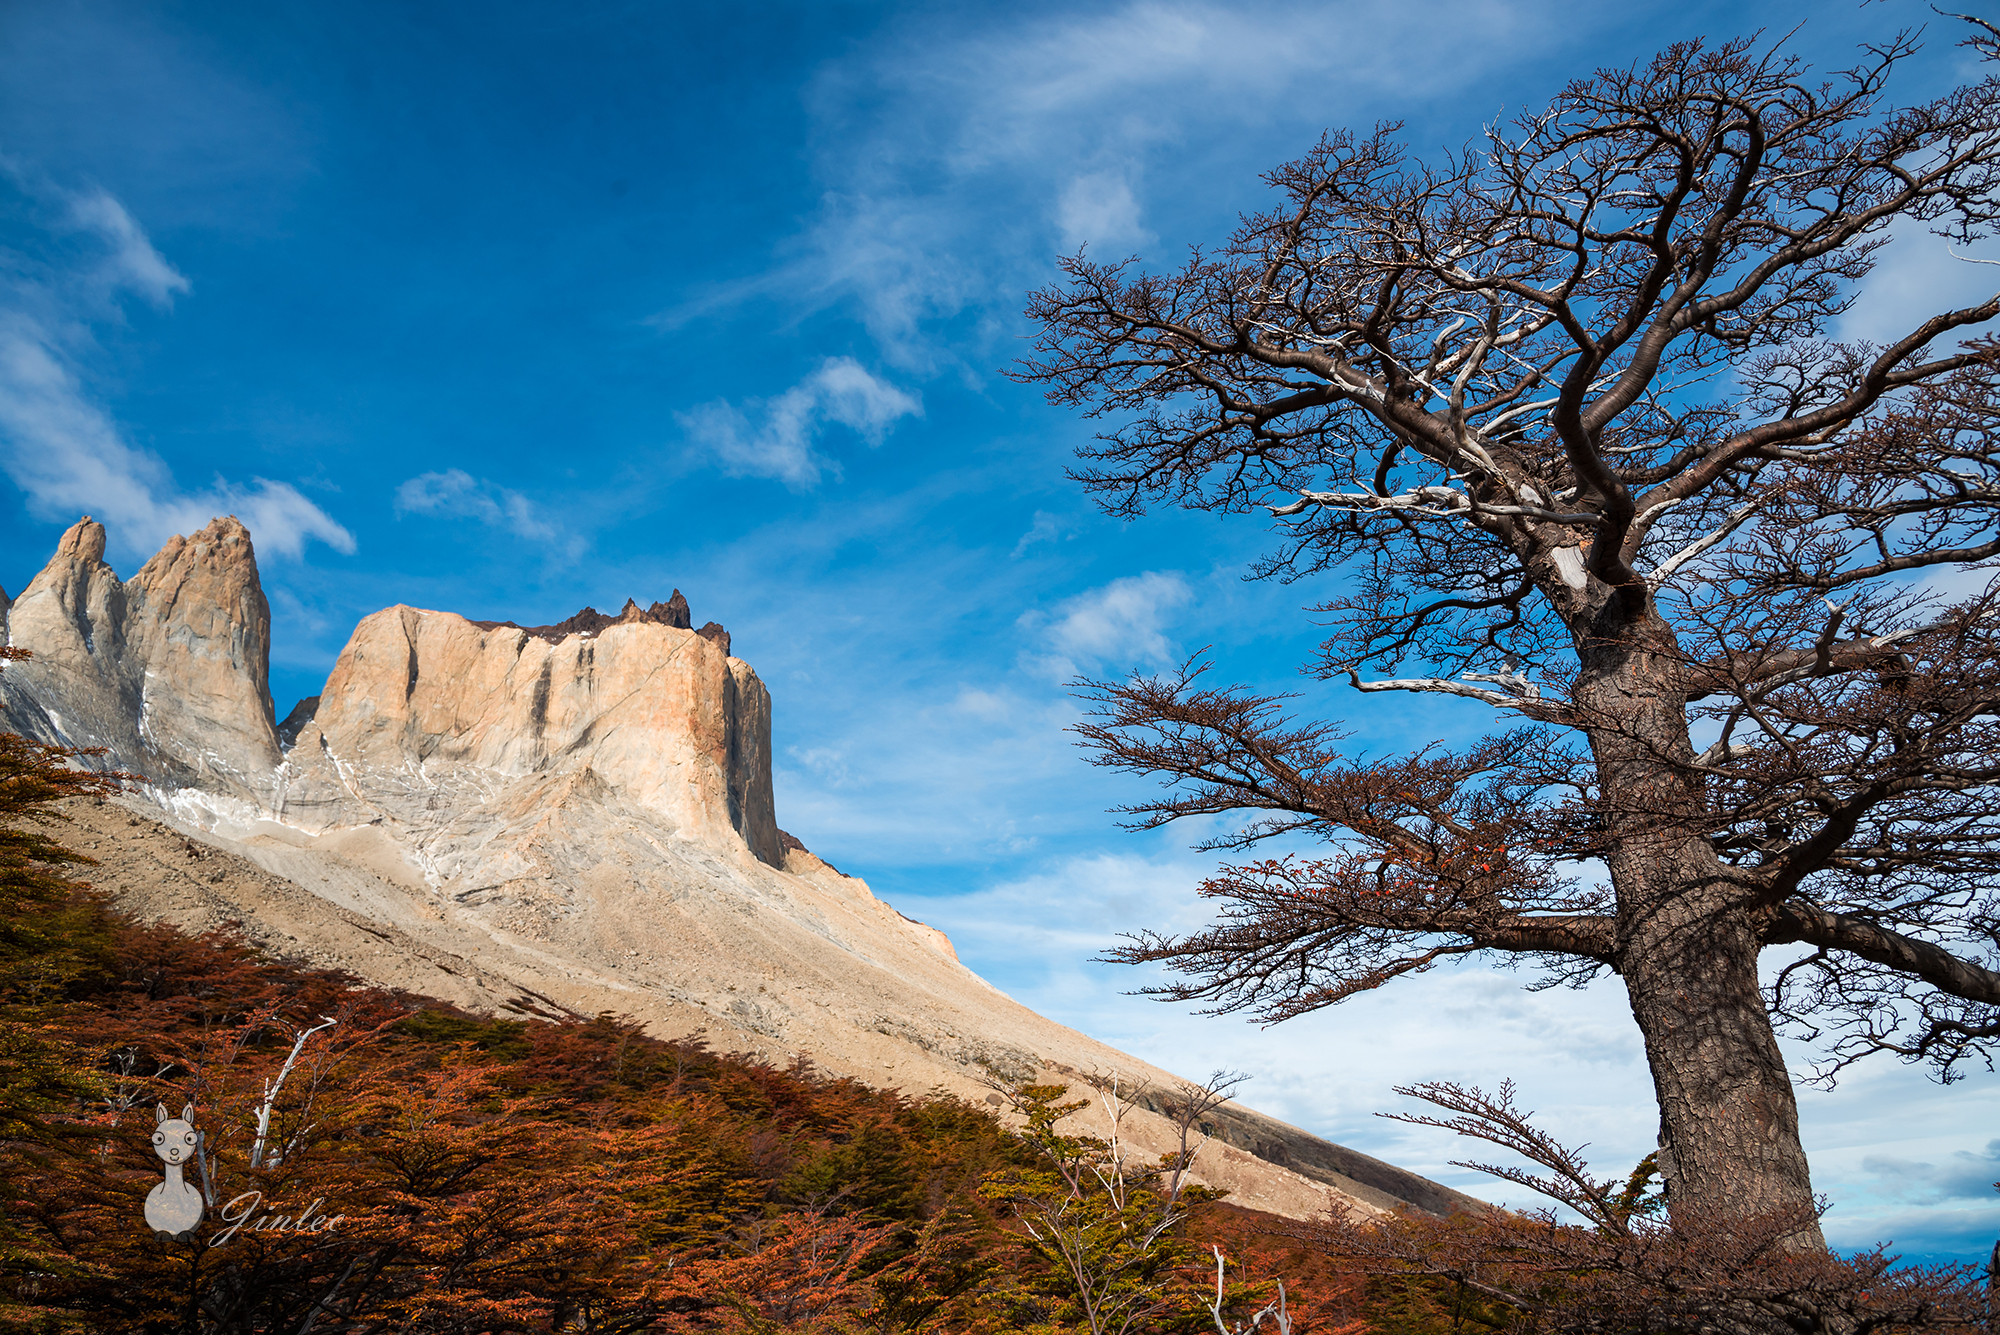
{"points": [[1799, 921], [1486, 391], [1664, 571], [1519, 701]]}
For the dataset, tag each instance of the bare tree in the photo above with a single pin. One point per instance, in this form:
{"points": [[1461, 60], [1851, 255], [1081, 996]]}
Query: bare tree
{"points": [[1567, 413]]}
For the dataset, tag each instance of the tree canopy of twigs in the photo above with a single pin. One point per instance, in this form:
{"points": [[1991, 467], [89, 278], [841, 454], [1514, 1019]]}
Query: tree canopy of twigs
{"points": [[1568, 418]]}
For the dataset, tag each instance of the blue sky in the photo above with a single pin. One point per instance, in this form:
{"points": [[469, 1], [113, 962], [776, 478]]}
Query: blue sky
{"points": [[508, 308]]}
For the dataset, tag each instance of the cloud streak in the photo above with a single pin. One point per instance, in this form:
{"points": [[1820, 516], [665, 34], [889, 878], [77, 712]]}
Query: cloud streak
{"points": [[130, 261], [1917, 275], [1964, 1176], [775, 437], [959, 152], [457, 494], [56, 442], [1100, 208]]}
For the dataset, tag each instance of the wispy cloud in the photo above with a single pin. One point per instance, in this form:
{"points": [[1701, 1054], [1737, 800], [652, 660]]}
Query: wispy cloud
{"points": [[826, 764], [775, 437], [1045, 528], [130, 260], [57, 442], [1917, 275], [457, 494], [959, 152], [1100, 208], [1963, 1176], [1121, 623]]}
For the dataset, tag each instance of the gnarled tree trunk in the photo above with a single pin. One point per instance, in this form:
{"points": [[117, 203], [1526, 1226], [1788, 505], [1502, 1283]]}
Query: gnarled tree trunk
{"points": [[1688, 947], [1729, 1124], [1469, 384]]}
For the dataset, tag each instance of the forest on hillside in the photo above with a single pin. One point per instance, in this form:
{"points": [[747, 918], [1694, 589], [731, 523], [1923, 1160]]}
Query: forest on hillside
{"points": [[375, 1161]]}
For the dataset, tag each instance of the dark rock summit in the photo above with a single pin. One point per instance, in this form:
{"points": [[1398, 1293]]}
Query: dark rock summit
{"points": [[295, 722], [589, 621]]}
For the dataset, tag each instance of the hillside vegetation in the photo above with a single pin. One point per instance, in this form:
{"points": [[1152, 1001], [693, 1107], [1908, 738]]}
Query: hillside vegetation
{"points": [[374, 1161]]}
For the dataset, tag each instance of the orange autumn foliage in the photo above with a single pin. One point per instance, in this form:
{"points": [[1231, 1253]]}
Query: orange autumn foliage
{"points": [[376, 1161]]}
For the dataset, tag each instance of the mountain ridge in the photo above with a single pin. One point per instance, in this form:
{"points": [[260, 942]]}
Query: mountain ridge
{"points": [[513, 817]]}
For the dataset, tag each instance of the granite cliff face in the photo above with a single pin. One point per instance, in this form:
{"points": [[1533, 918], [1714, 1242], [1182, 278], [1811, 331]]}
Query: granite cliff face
{"points": [[574, 818], [170, 670], [427, 712]]}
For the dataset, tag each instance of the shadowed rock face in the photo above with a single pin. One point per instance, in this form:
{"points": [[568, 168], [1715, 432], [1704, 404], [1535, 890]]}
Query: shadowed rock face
{"points": [[170, 669]]}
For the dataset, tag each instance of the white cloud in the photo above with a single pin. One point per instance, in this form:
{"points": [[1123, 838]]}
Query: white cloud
{"points": [[457, 494], [132, 262], [65, 450], [70, 458], [1917, 275], [826, 763], [1121, 623], [985, 706], [774, 438], [960, 151], [1895, 1152], [1046, 528], [1099, 208]]}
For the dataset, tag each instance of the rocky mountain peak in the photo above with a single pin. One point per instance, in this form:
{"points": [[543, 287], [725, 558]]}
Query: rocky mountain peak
{"points": [[589, 621], [83, 541], [660, 717], [169, 670]]}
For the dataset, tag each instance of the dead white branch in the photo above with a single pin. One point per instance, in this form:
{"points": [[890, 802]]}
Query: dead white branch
{"points": [[1513, 681], [1273, 1311], [1433, 502], [1530, 704], [272, 1088], [1665, 569], [1824, 654], [1721, 752]]}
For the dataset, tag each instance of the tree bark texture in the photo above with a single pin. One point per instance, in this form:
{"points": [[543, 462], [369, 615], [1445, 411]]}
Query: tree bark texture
{"points": [[1729, 1120], [1688, 945]]}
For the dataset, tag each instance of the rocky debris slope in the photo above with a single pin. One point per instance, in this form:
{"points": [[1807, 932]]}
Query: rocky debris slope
{"points": [[576, 817]]}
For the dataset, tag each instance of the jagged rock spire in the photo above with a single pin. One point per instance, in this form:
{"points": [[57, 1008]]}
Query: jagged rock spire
{"points": [[170, 670], [589, 621]]}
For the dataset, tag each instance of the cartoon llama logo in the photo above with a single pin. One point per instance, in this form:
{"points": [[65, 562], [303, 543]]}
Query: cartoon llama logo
{"points": [[175, 1206]]}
